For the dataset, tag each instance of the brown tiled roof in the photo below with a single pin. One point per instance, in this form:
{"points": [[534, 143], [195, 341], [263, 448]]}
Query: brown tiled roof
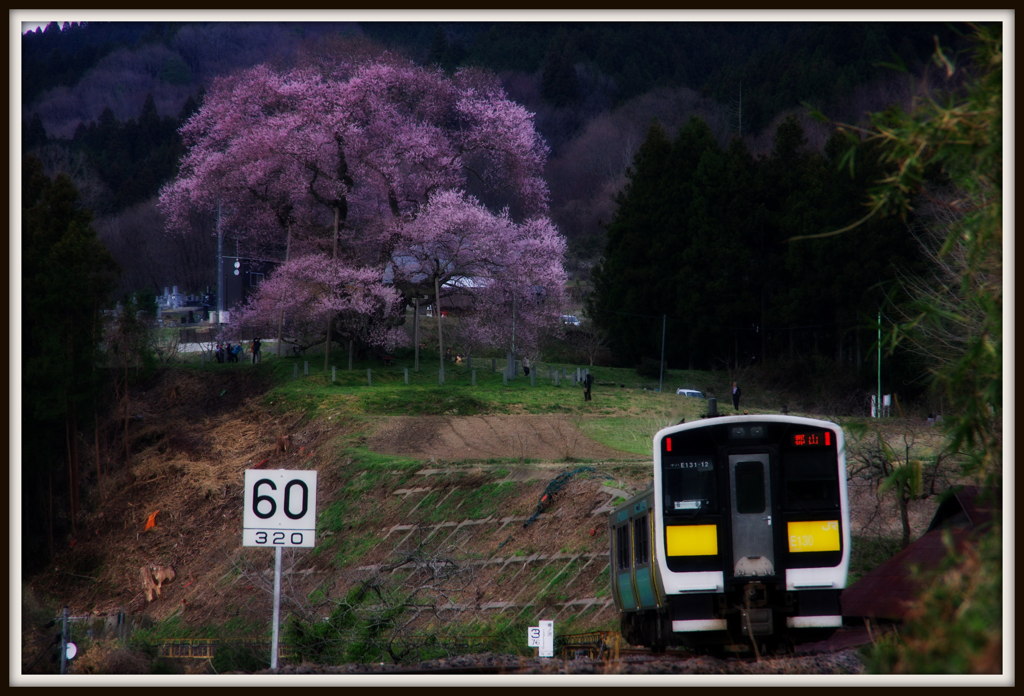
{"points": [[966, 505], [886, 592]]}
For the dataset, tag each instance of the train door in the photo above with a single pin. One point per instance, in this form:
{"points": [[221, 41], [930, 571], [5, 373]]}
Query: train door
{"points": [[752, 538], [623, 570], [646, 588]]}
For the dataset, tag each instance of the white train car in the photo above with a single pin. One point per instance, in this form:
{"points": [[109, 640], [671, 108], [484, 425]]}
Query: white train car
{"points": [[743, 536]]}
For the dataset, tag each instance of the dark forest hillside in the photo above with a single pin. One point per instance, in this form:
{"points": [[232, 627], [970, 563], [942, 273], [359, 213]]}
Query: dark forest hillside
{"points": [[781, 64], [102, 101], [72, 75]]}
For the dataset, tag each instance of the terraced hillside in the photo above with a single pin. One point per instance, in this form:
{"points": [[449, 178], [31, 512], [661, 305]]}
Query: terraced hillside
{"points": [[450, 526]]}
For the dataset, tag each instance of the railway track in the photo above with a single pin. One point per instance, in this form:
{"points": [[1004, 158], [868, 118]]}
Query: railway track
{"points": [[630, 662], [605, 643], [598, 652]]}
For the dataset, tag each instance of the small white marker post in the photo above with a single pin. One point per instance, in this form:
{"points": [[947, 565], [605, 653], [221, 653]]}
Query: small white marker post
{"points": [[279, 510], [547, 639]]}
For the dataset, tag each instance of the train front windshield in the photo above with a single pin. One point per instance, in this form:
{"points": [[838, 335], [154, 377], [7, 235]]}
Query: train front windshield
{"points": [[811, 479], [692, 465], [690, 485]]}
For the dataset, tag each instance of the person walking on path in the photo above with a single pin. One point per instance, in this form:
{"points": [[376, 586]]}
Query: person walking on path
{"points": [[736, 396]]}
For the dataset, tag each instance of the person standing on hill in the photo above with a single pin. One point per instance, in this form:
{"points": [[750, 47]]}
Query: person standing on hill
{"points": [[736, 396], [255, 350], [588, 382]]}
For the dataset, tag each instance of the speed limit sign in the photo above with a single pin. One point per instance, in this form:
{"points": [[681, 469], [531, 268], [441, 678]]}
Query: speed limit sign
{"points": [[280, 508]]}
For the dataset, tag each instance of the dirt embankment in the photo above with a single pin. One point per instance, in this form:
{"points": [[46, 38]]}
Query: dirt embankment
{"points": [[177, 500], [457, 438]]}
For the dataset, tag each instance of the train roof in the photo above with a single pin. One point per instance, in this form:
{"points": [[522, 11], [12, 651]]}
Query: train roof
{"points": [[748, 418]]}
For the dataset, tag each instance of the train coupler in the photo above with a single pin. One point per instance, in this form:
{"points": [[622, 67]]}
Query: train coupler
{"points": [[755, 615]]}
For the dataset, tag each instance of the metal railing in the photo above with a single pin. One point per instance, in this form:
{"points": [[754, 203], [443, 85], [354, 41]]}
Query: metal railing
{"points": [[206, 648], [595, 645]]}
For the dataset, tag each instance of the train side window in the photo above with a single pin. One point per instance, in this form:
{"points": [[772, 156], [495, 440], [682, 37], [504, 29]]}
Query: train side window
{"points": [[622, 546], [640, 540], [749, 487]]}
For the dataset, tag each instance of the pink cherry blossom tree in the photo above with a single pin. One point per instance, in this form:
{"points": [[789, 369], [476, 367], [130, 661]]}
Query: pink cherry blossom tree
{"points": [[357, 165], [522, 303], [454, 242], [511, 275], [310, 288]]}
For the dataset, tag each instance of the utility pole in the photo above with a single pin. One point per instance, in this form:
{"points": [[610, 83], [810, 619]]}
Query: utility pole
{"points": [[878, 395], [280, 320], [220, 269], [330, 318], [416, 333], [738, 108], [739, 119], [440, 335], [64, 641], [661, 375], [510, 366]]}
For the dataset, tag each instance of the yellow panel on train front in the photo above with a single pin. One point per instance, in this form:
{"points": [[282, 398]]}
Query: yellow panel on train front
{"points": [[691, 540], [821, 535]]}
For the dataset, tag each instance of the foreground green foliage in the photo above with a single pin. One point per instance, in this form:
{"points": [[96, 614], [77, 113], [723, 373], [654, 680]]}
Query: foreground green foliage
{"points": [[945, 159], [955, 627], [365, 626]]}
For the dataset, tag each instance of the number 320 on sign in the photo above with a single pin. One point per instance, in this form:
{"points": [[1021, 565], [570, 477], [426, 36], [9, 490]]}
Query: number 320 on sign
{"points": [[262, 537]]}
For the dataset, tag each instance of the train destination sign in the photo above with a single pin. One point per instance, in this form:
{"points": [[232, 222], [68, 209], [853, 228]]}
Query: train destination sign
{"points": [[279, 508]]}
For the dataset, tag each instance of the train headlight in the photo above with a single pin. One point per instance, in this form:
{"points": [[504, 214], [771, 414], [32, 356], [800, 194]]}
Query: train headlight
{"points": [[691, 540]]}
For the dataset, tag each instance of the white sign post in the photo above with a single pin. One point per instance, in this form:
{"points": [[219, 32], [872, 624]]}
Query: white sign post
{"points": [[279, 510], [547, 639]]}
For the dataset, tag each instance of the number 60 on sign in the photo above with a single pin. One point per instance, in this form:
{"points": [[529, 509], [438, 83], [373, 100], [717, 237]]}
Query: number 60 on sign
{"points": [[279, 508]]}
